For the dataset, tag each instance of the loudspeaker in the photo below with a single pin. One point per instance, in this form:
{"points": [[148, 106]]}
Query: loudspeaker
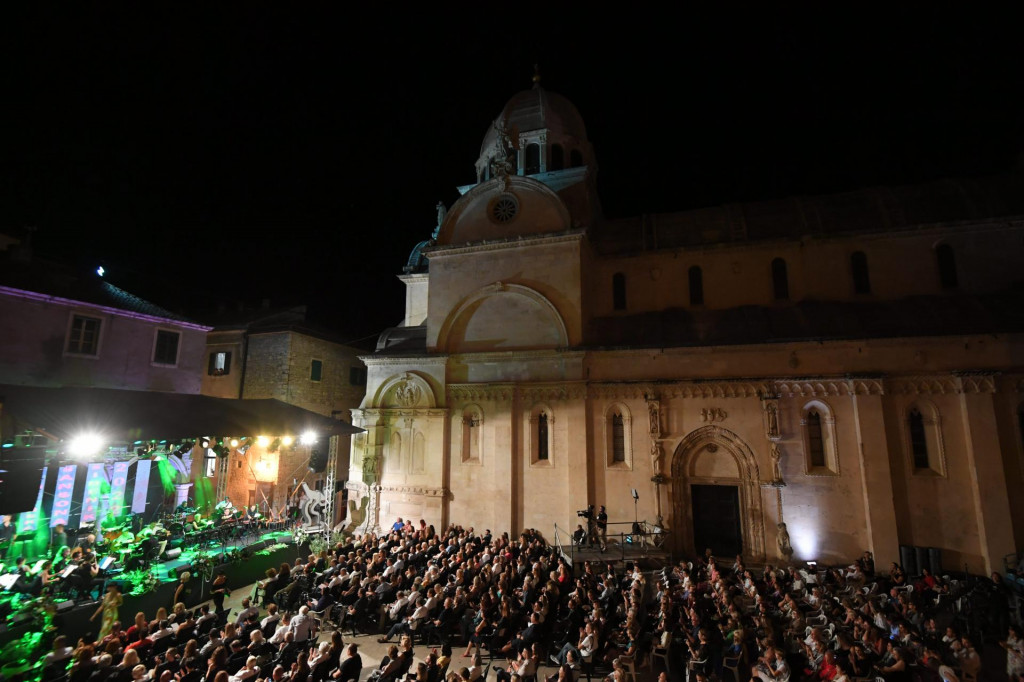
{"points": [[317, 460], [909, 559], [172, 554], [935, 561]]}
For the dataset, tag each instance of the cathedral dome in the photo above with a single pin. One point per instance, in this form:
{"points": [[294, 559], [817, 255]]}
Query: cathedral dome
{"points": [[537, 109], [546, 130]]}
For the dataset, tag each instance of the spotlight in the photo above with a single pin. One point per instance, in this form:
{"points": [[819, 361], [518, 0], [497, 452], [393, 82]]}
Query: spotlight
{"points": [[275, 445], [234, 442], [287, 440], [85, 445], [204, 442], [244, 449], [262, 441], [308, 438]]}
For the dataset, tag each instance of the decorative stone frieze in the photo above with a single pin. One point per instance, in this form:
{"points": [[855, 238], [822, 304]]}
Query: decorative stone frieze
{"points": [[560, 391], [713, 414], [414, 490], [498, 392], [714, 389]]}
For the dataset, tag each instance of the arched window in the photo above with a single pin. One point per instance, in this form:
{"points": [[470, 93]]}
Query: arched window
{"points": [[619, 291], [575, 158], [780, 280], [618, 436], [618, 439], [557, 160], [821, 447], [531, 164], [696, 278], [923, 439], [859, 266], [918, 438], [542, 436], [815, 443], [946, 260]]}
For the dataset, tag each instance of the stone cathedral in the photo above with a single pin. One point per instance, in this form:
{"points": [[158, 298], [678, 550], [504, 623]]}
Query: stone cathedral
{"points": [[847, 365]]}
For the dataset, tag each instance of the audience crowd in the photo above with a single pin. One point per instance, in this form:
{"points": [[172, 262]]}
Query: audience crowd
{"points": [[516, 602]]}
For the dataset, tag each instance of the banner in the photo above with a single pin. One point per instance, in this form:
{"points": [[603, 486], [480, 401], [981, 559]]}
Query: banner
{"points": [[118, 481], [93, 485], [141, 486], [62, 494], [30, 521]]}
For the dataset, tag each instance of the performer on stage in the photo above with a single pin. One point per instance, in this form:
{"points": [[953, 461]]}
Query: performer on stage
{"points": [[112, 600], [6, 536]]}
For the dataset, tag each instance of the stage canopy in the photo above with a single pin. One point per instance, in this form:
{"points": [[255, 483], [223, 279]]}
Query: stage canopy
{"points": [[127, 416]]}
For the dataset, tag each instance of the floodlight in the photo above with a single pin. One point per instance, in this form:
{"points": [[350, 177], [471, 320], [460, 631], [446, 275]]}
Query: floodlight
{"points": [[286, 441], [85, 445], [308, 438], [262, 441]]}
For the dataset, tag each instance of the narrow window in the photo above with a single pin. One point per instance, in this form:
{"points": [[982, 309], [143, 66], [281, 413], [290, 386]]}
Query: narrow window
{"points": [[575, 159], [947, 266], [532, 161], [357, 376], [619, 291], [84, 337], [220, 364], [557, 160], [316, 370], [696, 286], [618, 439], [165, 352], [780, 281], [918, 442], [542, 436], [815, 442], [859, 266]]}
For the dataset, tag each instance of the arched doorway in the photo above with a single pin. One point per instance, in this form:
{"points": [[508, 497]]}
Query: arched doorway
{"points": [[714, 470]]}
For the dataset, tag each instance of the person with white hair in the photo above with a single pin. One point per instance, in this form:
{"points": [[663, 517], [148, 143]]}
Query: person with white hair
{"points": [[250, 669], [303, 625]]}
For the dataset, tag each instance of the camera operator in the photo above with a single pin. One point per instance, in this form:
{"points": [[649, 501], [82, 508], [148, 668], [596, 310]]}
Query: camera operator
{"points": [[588, 514], [601, 520]]}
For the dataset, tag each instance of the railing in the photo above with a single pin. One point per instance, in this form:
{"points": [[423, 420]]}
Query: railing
{"points": [[648, 537]]}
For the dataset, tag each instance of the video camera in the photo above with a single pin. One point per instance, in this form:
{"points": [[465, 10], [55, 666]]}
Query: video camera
{"points": [[587, 513]]}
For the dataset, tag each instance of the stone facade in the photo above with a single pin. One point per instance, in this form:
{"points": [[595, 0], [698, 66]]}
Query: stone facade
{"points": [[273, 357], [860, 383]]}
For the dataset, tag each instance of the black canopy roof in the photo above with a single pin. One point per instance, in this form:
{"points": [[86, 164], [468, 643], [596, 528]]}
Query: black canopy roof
{"points": [[121, 415]]}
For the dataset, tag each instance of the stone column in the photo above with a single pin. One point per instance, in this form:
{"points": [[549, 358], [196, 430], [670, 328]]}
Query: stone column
{"points": [[181, 493], [984, 462], [876, 478]]}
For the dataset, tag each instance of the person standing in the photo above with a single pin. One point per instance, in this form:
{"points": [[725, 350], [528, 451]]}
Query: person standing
{"points": [[602, 528], [112, 601], [219, 590]]}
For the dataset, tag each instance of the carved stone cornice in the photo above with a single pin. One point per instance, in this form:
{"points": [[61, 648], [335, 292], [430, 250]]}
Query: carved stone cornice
{"points": [[714, 389], [574, 390], [498, 392], [527, 355], [821, 387], [435, 252], [977, 382], [415, 361], [618, 391], [376, 412], [414, 490], [941, 384]]}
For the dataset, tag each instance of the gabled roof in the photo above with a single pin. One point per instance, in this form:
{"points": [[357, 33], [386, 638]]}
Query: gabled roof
{"points": [[50, 279]]}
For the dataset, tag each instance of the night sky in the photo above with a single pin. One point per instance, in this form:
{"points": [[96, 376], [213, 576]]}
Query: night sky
{"points": [[211, 155]]}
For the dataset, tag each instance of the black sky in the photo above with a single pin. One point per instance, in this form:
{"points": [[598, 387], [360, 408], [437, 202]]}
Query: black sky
{"points": [[210, 154]]}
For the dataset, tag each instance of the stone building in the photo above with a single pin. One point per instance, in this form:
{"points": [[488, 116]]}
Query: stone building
{"points": [[61, 327], [849, 365], [275, 354]]}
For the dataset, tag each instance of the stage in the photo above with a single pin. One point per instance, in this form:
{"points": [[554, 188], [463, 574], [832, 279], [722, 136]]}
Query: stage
{"points": [[243, 562]]}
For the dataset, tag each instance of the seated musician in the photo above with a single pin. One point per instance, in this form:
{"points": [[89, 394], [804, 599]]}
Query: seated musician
{"points": [[196, 525], [62, 559]]}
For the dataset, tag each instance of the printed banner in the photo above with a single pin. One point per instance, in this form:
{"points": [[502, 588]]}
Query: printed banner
{"points": [[93, 485], [62, 494], [118, 481], [30, 521], [141, 486]]}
